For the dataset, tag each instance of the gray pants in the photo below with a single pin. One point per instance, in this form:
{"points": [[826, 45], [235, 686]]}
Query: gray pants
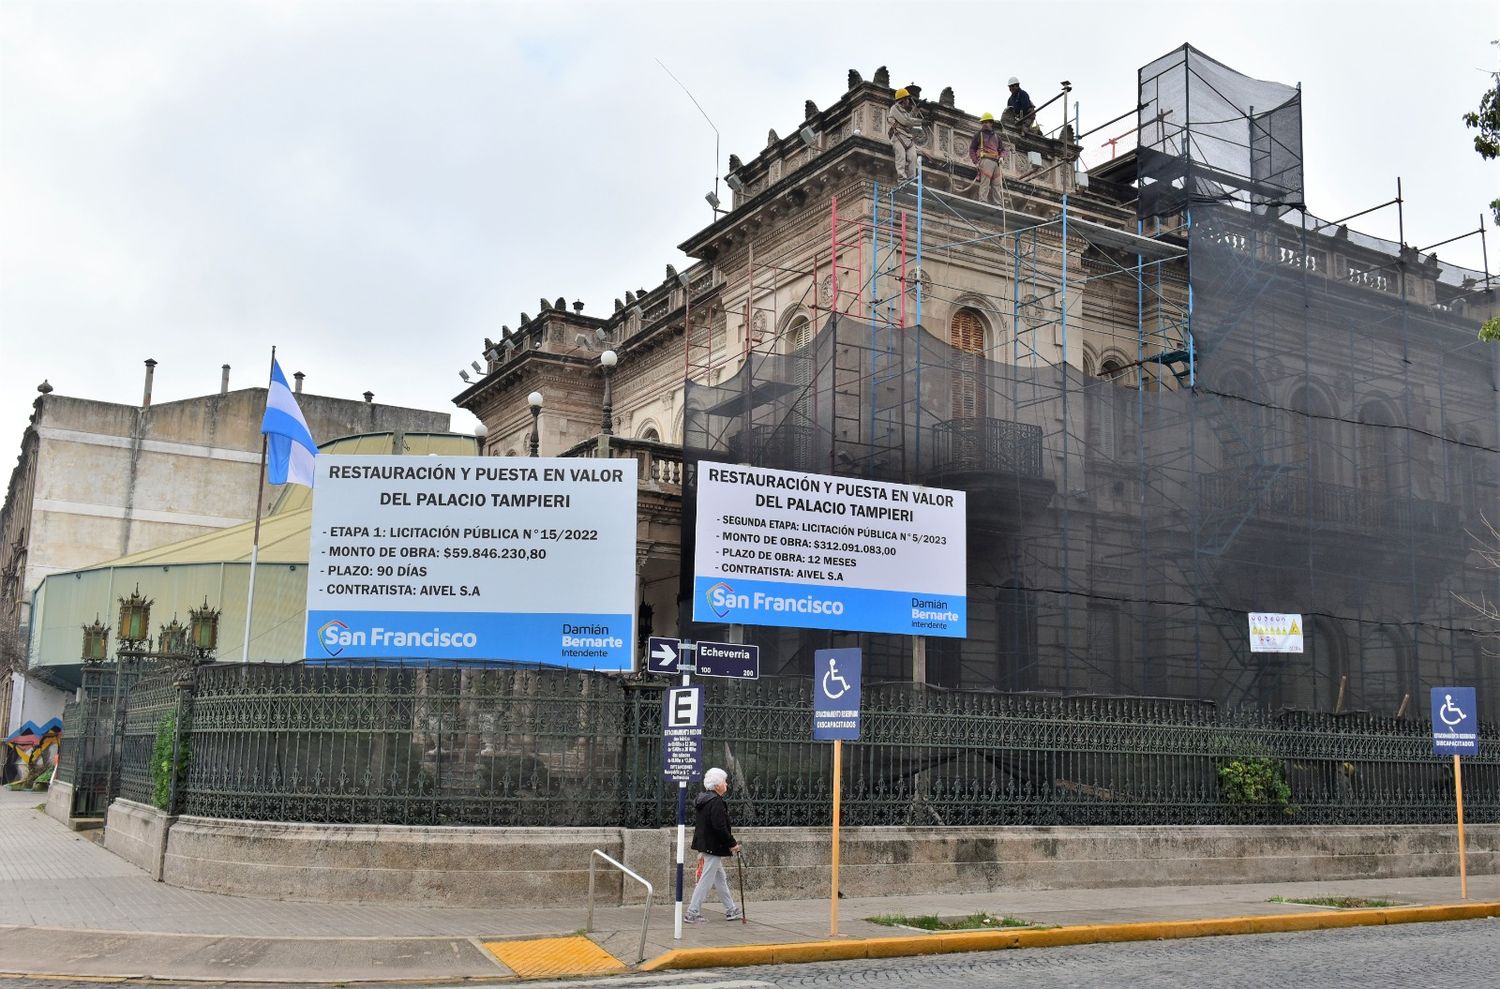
{"points": [[906, 157], [715, 877], [990, 178]]}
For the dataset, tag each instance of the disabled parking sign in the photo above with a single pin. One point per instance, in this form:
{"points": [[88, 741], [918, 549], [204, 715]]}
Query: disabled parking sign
{"points": [[1455, 721], [836, 695]]}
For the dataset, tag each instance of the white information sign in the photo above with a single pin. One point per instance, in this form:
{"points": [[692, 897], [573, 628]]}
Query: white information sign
{"points": [[526, 559], [1273, 632], [778, 547]]}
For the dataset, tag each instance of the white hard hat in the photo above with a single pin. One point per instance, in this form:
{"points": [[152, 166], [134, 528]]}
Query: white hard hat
{"points": [[1013, 81]]}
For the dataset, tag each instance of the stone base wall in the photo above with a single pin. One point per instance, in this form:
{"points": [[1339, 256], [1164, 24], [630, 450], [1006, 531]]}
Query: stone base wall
{"points": [[367, 863], [787, 863], [520, 867], [138, 834], [59, 801]]}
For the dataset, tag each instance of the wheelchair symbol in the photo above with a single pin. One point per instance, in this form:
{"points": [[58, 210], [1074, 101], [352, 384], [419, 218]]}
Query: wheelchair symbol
{"points": [[1448, 705], [833, 675]]}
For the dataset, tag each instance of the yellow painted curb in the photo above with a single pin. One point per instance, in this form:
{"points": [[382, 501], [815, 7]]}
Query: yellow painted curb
{"points": [[935, 944]]}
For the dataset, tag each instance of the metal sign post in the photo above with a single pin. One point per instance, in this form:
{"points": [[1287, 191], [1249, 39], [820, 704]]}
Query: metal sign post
{"points": [[682, 757], [1455, 731], [836, 685]]}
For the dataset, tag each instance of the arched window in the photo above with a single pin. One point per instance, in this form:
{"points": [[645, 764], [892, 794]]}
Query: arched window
{"points": [[650, 434], [800, 357], [1382, 669], [1378, 465], [967, 335], [1327, 655], [1312, 440], [798, 334], [1466, 474]]}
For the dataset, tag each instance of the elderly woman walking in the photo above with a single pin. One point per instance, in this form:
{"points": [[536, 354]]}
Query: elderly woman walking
{"points": [[715, 843]]}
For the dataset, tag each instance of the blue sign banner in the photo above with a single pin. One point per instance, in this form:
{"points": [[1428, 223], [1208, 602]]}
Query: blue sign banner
{"points": [[1455, 721], [765, 602], [580, 641], [836, 694], [682, 733]]}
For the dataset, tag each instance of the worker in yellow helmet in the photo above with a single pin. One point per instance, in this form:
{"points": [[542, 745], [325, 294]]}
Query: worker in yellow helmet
{"points": [[903, 124], [987, 152]]}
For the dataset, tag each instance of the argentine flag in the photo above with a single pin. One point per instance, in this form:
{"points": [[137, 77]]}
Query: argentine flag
{"points": [[289, 442]]}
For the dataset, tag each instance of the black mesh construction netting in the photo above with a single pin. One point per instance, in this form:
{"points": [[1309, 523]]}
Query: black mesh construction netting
{"points": [[1311, 429], [1207, 133]]}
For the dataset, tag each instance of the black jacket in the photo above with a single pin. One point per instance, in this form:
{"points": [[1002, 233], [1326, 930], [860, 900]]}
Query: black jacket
{"points": [[711, 834]]}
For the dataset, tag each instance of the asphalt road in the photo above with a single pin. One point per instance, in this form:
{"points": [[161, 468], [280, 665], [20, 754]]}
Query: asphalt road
{"points": [[1454, 955]]}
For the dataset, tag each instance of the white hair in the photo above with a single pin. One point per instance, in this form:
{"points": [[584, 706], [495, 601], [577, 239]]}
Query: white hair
{"points": [[714, 777]]}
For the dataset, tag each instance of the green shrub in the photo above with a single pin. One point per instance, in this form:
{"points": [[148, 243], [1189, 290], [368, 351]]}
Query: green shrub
{"points": [[1255, 781], [161, 761]]}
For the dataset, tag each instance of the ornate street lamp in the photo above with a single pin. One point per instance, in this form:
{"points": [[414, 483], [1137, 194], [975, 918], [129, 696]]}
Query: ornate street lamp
{"points": [[608, 360], [135, 619], [95, 642], [203, 630], [172, 641], [535, 401]]}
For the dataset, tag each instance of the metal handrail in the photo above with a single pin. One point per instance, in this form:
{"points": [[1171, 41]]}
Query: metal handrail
{"points": [[650, 892]]}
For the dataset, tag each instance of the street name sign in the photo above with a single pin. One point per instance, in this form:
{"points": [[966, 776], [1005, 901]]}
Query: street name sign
{"points": [[729, 659]]}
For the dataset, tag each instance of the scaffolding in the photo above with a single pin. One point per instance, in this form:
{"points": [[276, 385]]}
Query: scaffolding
{"points": [[1232, 407]]}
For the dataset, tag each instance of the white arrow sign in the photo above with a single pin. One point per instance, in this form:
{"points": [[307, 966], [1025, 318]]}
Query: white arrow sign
{"points": [[662, 654]]}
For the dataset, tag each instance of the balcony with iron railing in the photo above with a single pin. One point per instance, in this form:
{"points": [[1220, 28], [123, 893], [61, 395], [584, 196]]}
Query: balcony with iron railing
{"points": [[979, 444], [1294, 498]]}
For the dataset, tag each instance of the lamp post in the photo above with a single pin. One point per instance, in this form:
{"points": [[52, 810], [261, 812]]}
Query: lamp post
{"points": [[535, 401], [95, 642], [608, 360]]}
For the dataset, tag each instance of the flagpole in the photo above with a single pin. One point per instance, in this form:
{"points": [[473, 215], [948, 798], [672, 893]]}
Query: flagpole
{"points": [[260, 487]]}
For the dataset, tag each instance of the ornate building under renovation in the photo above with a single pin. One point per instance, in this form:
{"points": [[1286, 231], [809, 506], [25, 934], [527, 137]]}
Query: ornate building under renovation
{"points": [[1173, 395]]}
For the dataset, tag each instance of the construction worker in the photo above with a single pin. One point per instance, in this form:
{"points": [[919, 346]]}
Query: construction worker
{"points": [[1020, 112], [986, 152], [902, 125]]}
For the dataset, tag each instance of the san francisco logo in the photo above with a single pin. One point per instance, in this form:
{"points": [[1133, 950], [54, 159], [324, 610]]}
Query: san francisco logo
{"points": [[330, 638], [720, 598]]}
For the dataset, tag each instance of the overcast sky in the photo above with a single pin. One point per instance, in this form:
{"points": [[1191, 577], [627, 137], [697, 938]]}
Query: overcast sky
{"points": [[375, 187]]}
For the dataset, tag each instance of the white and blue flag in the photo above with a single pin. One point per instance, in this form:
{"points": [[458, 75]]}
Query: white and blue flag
{"points": [[289, 442]]}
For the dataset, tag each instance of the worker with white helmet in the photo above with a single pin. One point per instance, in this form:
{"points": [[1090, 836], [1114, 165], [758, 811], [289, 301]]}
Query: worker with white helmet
{"points": [[1020, 112], [903, 123], [986, 152]]}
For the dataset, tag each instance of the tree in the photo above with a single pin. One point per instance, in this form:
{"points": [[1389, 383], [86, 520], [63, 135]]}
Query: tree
{"points": [[1486, 120]]}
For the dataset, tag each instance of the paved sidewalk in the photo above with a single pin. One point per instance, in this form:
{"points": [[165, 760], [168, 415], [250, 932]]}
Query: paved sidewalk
{"points": [[67, 906]]}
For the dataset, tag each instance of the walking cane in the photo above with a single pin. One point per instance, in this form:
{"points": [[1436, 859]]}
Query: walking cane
{"points": [[740, 865]]}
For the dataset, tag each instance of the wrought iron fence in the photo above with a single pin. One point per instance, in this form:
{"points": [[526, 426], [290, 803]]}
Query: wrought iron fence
{"points": [[150, 710], [91, 736], [563, 748]]}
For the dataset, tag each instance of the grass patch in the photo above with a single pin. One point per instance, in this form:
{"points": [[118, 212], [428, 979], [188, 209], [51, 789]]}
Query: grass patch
{"points": [[1342, 902], [932, 922]]}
